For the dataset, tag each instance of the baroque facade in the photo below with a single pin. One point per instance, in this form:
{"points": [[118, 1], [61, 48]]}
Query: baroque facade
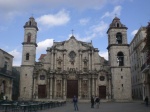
{"points": [[73, 67]]}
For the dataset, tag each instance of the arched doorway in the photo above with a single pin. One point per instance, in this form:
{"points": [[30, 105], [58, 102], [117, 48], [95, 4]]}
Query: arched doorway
{"points": [[72, 88], [102, 92]]}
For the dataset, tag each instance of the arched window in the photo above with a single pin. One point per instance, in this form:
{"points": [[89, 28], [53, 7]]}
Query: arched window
{"points": [[3, 87], [29, 37], [119, 38], [27, 56], [117, 24], [30, 23], [120, 59]]}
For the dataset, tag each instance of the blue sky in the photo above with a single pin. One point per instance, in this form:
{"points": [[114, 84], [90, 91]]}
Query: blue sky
{"points": [[89, 19]]}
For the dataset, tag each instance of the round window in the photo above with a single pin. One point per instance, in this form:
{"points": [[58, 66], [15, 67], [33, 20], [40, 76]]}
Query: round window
{"points": [[102, 78]]}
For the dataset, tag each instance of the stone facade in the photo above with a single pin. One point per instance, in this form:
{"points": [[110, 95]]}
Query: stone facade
{"points": [[6, 79], [73, 67]]}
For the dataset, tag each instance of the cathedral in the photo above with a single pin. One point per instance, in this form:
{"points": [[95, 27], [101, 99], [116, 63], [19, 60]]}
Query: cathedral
{"points": [[73, 67]]}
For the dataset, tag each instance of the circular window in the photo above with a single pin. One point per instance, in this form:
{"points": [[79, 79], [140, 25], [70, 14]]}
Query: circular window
{"points": [[102, 78]]}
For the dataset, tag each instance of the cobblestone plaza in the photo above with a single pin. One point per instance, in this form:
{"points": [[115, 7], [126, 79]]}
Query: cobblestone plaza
{"points": [[137, 106]]}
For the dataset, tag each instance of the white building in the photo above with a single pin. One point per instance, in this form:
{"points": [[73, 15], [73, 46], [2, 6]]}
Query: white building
{"points": [[139, 69]]}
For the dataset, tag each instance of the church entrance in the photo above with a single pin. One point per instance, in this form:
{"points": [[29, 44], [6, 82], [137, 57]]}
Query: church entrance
{"points": [[41, 91], [102, 92], [72, 88]]}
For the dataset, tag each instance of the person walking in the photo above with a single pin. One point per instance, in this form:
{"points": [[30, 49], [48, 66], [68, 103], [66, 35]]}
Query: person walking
{"points": [[92, 102], [75, 101], [146, 100], [97, 101]]}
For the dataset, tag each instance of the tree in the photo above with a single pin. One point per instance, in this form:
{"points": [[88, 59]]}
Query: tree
{"points": [[148, 42]]}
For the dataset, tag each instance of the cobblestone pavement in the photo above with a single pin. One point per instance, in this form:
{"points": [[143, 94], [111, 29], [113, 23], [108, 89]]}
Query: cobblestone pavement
{"points": [[104, 107]]}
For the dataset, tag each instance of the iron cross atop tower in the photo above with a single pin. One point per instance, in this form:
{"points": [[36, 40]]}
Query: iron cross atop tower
{"points": [[72, 31]]}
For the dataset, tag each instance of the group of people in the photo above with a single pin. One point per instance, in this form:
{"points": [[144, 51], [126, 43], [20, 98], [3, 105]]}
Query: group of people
{"points": [[95, 101]]}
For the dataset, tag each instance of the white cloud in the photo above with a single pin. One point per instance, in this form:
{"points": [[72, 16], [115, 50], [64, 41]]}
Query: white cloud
{"points": [[11, 8], [104, 54], [100, 29], [61, 18], [42, 46], [84, 21], [17, 57], [30, 4], [84, 39], [134, 32], [116, 11]]}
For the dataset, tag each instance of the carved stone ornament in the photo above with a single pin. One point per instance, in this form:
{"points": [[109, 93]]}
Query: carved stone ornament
{"points": [[72, 55]]}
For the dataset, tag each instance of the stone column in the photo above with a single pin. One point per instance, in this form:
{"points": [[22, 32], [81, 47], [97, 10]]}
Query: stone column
{"points": [[93, 85], [52, 59], [96, 93], [109, 85], [55, 87], [92, 60], [89, 87], [55, 63], [51, 86], [34, 87], [80, 60], [79, 88], [64, 87], [89, 61], [64, 61]]}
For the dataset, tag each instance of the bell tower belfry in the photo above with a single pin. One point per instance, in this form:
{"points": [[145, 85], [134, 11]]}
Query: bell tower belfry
{"points": [[118, 51], [28, 59]]}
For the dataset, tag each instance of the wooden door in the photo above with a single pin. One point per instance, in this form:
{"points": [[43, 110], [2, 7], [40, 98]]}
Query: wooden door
{"points": [[42, 91], [102, 92], [72, 88]]}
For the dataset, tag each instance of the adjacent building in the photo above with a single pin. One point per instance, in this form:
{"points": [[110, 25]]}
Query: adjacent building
{"points": [[6, 79], [137, 58]]}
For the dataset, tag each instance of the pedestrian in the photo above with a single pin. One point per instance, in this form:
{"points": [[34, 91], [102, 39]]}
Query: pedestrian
{"points": [[92, 102], [97, 101], [146, 100], [75, 101]]}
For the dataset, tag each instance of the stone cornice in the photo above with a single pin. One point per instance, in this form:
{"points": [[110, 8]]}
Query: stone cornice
{"points": [[28, 43], [117, 45]]}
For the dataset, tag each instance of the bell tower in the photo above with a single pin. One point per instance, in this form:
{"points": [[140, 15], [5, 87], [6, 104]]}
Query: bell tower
{"points": [[119, 60], [28, 59]]}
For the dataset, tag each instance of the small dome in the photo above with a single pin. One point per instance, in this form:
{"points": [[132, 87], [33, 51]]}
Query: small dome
{"points": [[116, 23], [31, 23], [72, 37]]}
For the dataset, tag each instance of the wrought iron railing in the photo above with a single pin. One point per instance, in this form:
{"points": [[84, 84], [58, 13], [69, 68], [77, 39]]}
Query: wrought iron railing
{"points": [[146, 65], [5, 72]]}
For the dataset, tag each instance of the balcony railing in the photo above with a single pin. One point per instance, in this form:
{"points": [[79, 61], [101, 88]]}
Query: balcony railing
{"points": [[5, 72], [145, 66]]}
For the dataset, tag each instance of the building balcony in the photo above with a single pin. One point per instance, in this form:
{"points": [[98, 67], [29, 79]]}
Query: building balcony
{"points": [[145, 67], [5, 72]]}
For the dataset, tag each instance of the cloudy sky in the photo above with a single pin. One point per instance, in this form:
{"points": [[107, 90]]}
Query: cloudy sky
{"points": [[89, 19]]}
